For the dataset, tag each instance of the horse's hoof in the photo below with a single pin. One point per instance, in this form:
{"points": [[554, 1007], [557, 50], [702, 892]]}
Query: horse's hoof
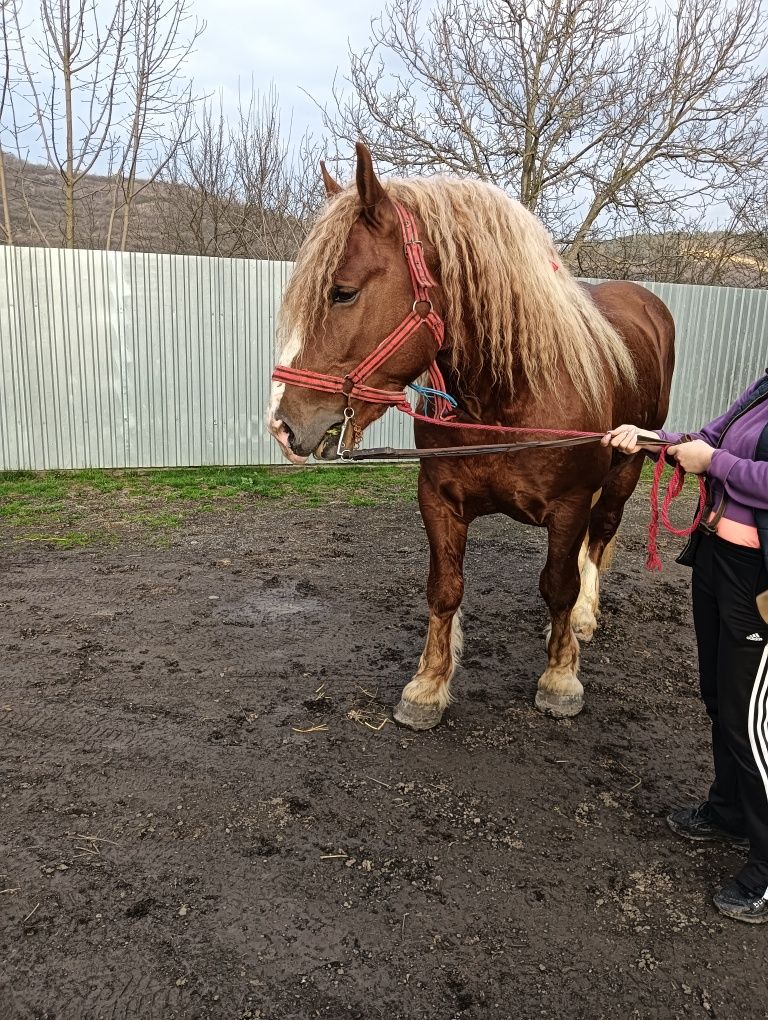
{"points": [[561, 706], [417, 717]]}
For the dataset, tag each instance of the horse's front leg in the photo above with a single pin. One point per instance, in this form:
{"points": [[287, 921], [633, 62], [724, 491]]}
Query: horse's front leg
{"points": [[560, 692], [427, 696]]}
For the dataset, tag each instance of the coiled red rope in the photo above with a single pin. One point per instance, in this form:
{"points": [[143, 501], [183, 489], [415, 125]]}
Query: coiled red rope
{"points": [[674, 488]]}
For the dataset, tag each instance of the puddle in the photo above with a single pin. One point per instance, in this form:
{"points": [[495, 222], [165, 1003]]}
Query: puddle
{"points": [[266, 606]]}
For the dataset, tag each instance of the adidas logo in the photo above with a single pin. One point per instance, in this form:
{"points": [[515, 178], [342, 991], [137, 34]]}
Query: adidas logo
{"points": [[754, 637]]}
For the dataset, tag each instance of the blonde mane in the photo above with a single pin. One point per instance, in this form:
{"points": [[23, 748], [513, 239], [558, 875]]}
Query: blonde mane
{"points": [[502, 298]]}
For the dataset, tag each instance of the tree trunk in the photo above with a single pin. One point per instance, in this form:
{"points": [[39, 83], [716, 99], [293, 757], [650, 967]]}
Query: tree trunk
{"points": [[69, 174], [4, 198]]}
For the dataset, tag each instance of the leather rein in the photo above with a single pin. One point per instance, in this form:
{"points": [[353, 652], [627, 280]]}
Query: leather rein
{"points": [[354, 385]]}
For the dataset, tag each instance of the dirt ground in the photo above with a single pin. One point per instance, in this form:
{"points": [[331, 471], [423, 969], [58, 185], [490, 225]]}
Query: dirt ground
{"points": [[207, 812]]}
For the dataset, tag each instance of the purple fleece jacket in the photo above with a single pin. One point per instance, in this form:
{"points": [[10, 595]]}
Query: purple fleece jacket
{"points": [[733, 466]]}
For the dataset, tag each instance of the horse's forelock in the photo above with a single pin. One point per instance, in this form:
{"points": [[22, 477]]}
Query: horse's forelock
{"points": [[305, 302]]}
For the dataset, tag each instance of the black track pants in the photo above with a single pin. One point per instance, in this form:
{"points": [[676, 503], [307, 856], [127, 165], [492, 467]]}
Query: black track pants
{"points": [[733, 666]]}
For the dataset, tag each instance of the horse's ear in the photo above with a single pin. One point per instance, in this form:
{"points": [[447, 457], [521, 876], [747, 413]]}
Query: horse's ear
{"points": [[332, 187], [373, 198]]}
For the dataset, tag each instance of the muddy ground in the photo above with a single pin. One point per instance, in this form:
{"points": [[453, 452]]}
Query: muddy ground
{"points": [[173, 845]]}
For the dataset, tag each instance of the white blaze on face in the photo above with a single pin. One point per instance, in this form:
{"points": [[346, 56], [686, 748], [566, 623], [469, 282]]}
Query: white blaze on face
{"points": [[287, 355], [274, 424]]}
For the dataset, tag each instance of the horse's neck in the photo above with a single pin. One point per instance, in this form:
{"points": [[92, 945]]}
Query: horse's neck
{"points": [[485, 399]]}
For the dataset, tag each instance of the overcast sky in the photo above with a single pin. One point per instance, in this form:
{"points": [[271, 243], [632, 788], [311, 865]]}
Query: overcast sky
{"points": [[297, 44]]}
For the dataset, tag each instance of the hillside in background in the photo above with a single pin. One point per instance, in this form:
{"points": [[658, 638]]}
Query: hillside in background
{"points": [[707, 259], [37, 210], [165, 217], [178, 219]]}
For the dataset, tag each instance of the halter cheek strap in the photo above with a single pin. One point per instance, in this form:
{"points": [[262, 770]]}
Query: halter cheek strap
{"points": [[353, 385]]}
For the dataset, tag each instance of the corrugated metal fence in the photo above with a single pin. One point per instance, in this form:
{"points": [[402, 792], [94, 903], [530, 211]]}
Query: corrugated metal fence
{"points": [[130, 360]]}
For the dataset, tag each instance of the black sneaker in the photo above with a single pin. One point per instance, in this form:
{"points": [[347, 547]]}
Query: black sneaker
{"points": [[736, 901], [700, 824]]}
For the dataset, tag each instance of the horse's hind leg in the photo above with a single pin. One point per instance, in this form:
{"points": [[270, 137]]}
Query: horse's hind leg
{"points": [[597, 550], [428, 694]]}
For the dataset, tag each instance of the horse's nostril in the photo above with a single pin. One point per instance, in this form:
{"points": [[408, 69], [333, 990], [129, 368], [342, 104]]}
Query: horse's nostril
{"points": [[290, 436]]}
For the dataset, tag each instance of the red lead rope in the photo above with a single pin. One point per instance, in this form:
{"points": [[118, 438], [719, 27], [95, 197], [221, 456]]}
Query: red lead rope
{"points": [[675, 487]]}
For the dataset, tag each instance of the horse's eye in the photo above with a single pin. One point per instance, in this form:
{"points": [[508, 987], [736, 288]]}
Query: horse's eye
{"points": [[343, 295]]}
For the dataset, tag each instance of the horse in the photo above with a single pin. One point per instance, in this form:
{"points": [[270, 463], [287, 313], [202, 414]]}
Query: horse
{"points": [[521, 344]]}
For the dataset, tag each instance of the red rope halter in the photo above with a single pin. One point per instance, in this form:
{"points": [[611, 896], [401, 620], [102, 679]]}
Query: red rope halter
{"points": [[353, 384]]}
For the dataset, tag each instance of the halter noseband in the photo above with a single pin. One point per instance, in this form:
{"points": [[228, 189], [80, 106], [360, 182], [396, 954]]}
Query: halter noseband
{"points": [[353, 385]]}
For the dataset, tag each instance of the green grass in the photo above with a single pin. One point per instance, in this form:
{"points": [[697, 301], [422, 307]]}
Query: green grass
{"points": [[648, 469], [71, 509], [20, 510], [150, 520], [647, 475], [383, 481], [57, 508]]}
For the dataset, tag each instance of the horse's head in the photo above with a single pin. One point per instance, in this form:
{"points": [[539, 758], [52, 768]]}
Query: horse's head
{"points": [[350, 289]]}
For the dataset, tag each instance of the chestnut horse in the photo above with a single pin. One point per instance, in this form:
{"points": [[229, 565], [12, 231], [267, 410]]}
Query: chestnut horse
{"points": [[525, 345]]}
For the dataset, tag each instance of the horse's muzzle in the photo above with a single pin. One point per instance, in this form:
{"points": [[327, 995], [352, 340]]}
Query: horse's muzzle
{"points": [[298, 441], [328, 447], [286, 441]]}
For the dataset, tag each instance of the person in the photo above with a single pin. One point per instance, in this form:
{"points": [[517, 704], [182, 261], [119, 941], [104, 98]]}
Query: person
{"points": [[729, 556]]}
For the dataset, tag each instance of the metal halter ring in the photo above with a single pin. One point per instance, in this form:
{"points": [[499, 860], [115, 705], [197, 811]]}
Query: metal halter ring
{"points": [[341, 451]]}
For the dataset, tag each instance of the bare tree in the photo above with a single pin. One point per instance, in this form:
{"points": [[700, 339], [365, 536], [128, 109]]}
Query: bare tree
{"points": [[74, 93], [5, 106], [277, 186], [239, 187], [159, 101], [749, 210], [198, 189], [606, 119]]}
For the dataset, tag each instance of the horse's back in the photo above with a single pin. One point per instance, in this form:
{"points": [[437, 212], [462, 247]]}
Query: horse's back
{"points": [[648, 329]]}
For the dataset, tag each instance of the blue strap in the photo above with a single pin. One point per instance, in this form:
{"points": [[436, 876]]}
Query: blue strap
{"points": [[427, 392]]}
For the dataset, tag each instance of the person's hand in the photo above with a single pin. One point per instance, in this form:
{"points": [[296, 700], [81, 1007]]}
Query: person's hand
{"points": [[694, 457], [629, 439]]}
